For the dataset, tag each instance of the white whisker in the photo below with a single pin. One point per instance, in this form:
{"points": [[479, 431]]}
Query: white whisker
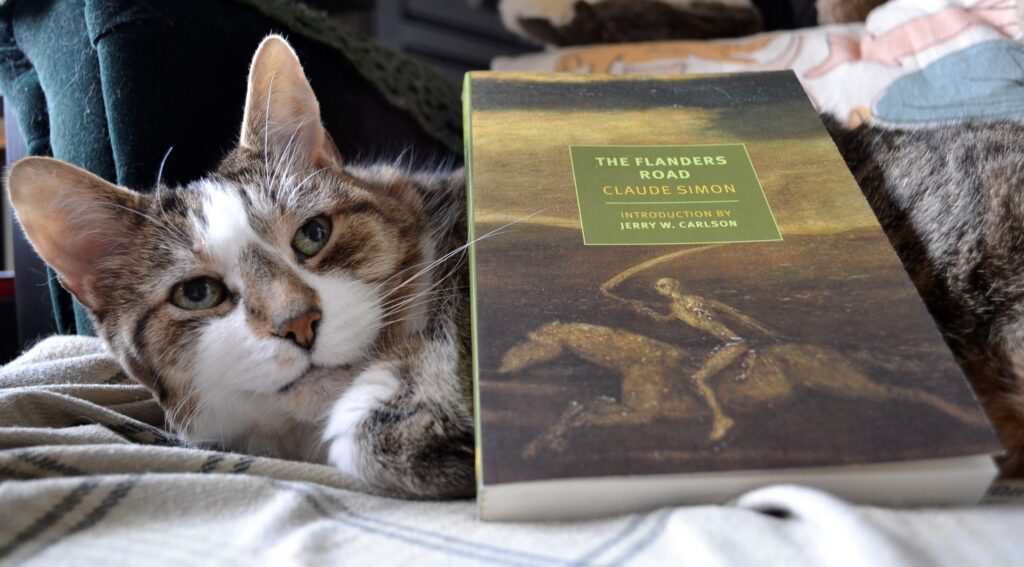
{"points": [[160, 171], [152, 219], [463, 248], [266, 129]]}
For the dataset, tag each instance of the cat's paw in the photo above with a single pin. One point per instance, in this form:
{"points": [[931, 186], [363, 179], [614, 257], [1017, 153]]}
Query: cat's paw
{"points": [[368, 391]]}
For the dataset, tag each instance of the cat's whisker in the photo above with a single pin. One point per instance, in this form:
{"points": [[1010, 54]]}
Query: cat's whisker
{"points": [[409, 268], [462, 248], [401, 302], [393, 322], [399, 273], [428, 295], [183, 423], [437, 281], [160, 171], [206, 400], [154, 220], [430, 266], [308, 177], [288, 158], [278, 173], [397, 164], [392, 299], [266, 128], [412, 302]]}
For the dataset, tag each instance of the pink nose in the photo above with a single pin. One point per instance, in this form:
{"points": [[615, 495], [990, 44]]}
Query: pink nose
{"points": [[301, 330]]}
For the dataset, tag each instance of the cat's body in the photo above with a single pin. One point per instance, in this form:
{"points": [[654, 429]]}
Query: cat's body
{"points": [[951, 200], [285, 304]]}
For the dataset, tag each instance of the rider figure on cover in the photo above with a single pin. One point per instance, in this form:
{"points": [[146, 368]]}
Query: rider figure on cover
{"points": [[709, 316]]}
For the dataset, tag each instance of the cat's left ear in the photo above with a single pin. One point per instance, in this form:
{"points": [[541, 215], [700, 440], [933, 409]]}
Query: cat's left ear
{"points": [[76, 221], [281, 111]]}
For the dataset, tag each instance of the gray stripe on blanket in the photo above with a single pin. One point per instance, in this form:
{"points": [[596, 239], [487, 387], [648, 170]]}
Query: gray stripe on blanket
{"points": [[144, 433], [48, 464], [648, 538], [321, 501], [8, 473], [69, 502], [96, 515], [110, 501], [480, 554], [118, 378], [517, 557], [602, 548], [243, 465], [211, 463]]}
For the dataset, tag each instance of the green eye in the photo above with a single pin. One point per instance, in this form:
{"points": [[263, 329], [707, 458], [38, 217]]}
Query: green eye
{"points": [[199, 293], [312, 236]]}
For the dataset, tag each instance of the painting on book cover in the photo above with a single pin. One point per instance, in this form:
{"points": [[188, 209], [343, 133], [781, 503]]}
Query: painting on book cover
{"points": [[682, 276]]}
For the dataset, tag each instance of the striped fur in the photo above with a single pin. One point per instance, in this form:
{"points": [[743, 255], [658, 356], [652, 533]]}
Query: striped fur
{"points": [[383, 390], [949, 198]]}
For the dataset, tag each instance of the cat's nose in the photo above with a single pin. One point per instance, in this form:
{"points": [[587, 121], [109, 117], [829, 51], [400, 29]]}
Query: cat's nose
{"points": [[301, 330]]}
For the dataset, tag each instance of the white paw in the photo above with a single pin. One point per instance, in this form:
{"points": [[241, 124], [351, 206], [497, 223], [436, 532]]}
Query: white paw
{"points": [[368, 391]]}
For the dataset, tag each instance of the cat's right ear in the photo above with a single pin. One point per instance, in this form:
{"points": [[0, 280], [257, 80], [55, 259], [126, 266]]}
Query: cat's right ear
{"points": [[282, 114], [74, 219]]}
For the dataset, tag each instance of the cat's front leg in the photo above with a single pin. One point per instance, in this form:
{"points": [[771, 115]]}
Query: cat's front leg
{"points": [[398, 439], [369, 391]]}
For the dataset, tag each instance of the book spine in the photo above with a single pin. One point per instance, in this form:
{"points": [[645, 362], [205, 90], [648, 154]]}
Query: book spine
{"points": [[467, 136]]}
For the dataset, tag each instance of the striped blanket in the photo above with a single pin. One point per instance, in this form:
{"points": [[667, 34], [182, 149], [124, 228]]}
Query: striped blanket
{"points": [[89, 477]]}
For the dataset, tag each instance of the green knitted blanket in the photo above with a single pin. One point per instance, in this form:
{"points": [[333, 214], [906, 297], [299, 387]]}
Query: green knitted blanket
{"points": [[407, 84]]}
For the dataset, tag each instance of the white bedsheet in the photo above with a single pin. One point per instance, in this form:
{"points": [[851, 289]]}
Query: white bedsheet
{"points": [[88, 478]]}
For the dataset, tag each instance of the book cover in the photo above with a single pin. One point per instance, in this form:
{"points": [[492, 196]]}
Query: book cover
{"points": [[677, 275]]}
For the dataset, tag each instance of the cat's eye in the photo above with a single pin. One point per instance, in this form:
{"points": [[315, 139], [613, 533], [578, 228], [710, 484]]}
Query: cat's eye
{"points": [[312, 236], [198, 293]]}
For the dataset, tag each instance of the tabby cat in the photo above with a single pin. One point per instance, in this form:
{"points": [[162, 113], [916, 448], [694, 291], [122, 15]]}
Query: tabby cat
{"points": [[951, 200], [285, 304]]}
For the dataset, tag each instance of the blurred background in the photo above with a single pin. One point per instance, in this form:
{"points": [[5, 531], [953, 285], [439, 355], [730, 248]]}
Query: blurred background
{"points": [[450, 37], [455, 36], [113, 86]]}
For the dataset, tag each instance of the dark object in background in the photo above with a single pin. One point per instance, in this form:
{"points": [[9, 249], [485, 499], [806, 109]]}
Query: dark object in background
{"points": [[843, 11], [9, 346], [29, 310], [453, 36], [111, 85], [623, 21], [787, 14]]}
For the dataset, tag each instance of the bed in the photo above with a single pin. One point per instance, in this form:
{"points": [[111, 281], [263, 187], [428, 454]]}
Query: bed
{"points": [[92, 478]]}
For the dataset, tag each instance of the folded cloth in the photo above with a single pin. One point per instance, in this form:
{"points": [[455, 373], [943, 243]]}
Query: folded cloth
{"points": [[91, 477], [912, 62]]}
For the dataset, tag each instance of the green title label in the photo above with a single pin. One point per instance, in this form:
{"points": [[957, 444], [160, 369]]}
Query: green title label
{"points": [[670, 195]]}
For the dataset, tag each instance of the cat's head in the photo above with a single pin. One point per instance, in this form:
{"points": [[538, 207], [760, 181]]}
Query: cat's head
{"points": [[279, 266]]}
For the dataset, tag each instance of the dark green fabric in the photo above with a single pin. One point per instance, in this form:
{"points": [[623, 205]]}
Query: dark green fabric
{"points": [[111, 85], [174, 74], [432, 101], [68, 76]]}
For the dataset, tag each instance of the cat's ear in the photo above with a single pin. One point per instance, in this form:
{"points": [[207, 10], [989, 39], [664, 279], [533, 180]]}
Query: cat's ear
{"points": [[74, 219], [281, 111]]}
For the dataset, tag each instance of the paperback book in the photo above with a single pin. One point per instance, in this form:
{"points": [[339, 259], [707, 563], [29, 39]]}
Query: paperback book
{"points": [[680, 294]]}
